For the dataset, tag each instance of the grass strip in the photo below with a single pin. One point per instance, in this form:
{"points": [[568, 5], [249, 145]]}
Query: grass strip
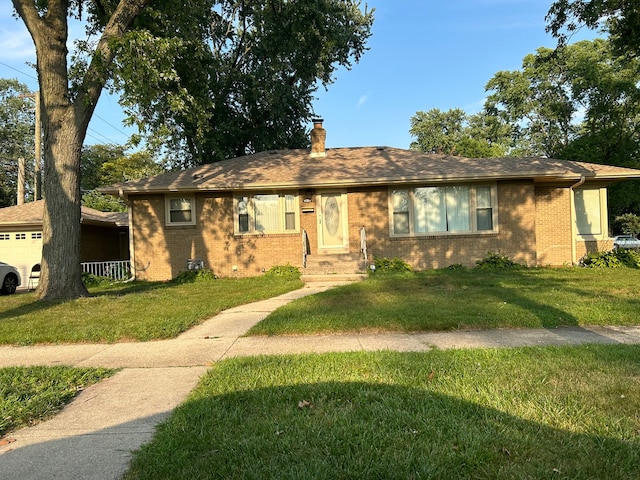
{"points": [[473, 299], [130, 312], [31, 394], [553, 412]]}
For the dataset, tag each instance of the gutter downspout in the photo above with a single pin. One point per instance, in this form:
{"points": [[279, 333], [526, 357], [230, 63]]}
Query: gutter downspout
{"points": [[132, 262], [574, 227]]}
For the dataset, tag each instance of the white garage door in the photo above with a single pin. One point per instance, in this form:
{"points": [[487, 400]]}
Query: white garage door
{"points": [[22, 249]]}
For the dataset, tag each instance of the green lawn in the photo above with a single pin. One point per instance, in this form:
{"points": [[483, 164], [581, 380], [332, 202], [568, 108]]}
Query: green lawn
{"points": [[31, 394], [569, 412], [124, 312], [474, 299]]}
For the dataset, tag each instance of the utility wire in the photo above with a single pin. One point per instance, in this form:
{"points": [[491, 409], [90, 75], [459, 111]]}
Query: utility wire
{"points": [[20, 72], [94, 115]]}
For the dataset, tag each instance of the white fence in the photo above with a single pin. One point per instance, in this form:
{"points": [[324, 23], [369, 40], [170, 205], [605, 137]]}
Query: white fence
{"points": [[119, 270]]}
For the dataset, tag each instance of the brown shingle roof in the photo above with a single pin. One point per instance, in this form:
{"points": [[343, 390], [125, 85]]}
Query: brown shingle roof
{"points": [[360, 167], [31, 214]]}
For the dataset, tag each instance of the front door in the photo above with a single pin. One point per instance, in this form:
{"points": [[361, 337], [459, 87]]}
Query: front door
{"points": [[333, 227]]}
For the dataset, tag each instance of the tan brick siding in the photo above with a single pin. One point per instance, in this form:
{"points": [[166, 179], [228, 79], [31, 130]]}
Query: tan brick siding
{"points": [[592, 246], [161, 252], [533, 228], [553, 225], [515, 236]]}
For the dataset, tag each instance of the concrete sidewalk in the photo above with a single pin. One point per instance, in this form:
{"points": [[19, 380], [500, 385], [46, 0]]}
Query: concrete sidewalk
{"points": [[94, 436]]}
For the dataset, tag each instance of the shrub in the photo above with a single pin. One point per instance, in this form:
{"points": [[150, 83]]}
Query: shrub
{"points": [[629, 257], [287, 270], [628, 223], [457, 267], [495, 261], [90, 280], [192, 276], [391, 265], [619, 257]]}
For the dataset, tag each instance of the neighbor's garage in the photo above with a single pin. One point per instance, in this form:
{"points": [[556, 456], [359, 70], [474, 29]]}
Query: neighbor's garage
{"points": [[103, 236], [22, 249]]}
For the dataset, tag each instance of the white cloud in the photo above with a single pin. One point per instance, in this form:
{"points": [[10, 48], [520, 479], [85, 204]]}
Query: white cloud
{"points": [[474, 107], [361, 101]]}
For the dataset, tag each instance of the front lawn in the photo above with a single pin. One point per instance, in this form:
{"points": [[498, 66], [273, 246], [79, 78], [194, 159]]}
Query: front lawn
{"points": [[554, 412], [126, 312], [473, 299], [31, 394]]}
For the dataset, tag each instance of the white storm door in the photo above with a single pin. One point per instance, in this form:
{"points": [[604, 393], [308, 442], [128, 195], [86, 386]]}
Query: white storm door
{"points": [[333, 227]]}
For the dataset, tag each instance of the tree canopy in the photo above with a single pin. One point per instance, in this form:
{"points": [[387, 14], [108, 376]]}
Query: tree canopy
{"points": [[579, 102], [241, 76], [208, 78], [455, 133], [104, 165], [619, 18], [17, 139]]}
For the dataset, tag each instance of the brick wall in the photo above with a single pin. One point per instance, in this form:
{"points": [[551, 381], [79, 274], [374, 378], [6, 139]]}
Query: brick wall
{"points": [[533, 228], [515, 236], [161, 252], [553, 225]]}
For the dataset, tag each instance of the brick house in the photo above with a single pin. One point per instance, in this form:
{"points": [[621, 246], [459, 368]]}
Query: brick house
{"points": [[103, 236], [313, 208]]}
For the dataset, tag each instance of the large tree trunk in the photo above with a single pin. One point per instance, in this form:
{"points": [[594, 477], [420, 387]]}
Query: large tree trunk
{"points": [[64, 128], [61, 275], [65, 118]]}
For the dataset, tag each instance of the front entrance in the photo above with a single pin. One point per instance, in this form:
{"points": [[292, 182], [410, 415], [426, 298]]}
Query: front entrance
{"points": [[333, 222]]}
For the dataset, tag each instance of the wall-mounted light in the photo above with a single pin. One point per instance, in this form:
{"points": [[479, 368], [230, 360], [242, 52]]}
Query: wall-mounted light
{"points": [[308, 197]]}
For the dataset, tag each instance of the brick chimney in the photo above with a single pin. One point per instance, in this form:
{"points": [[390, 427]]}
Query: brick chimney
{"points": [[318, 137]]}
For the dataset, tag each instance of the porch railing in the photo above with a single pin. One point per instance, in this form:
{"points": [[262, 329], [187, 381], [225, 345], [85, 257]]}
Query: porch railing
{"points": [[119, 270], [363, 244], [305, 248]]}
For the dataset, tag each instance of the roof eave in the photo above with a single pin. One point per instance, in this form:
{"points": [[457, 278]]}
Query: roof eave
{"points": [[536, 176]]}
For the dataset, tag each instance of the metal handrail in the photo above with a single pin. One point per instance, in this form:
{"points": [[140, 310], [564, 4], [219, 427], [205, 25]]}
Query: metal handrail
{"points": [[363, 243], [305, 248]]}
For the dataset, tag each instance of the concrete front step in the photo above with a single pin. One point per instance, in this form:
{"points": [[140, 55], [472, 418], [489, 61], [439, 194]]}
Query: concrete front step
{"points": [[336, 277], [334, 264]]}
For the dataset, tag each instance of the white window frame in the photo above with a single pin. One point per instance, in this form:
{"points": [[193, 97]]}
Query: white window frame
{"points": [[473, 209], [192, 203], [250, 209]]}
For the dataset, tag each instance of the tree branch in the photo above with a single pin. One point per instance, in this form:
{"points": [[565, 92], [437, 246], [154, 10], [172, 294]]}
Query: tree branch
{"points": [[97, 73]]}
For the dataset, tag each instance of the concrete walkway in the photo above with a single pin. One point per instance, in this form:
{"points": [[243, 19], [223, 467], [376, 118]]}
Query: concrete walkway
{"points": [[93, 437]]}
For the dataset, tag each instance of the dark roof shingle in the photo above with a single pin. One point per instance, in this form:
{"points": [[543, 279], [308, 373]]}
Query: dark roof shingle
{"points": [[360, 167]]}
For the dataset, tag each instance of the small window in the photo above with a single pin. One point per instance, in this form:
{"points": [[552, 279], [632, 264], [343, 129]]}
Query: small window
{"points": [[5, 236], [484, 208], [181, 211], [36, 235], [21, 236], [289, 212], [243, 214], [400, 211]]}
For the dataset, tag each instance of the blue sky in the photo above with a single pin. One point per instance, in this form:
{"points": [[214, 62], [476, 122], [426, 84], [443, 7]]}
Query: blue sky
{"points": [[423, 54]]}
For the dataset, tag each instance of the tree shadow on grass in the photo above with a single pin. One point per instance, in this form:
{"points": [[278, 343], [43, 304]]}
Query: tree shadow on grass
{"points": [[33, 305], [526, 292], [357, 430]]}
